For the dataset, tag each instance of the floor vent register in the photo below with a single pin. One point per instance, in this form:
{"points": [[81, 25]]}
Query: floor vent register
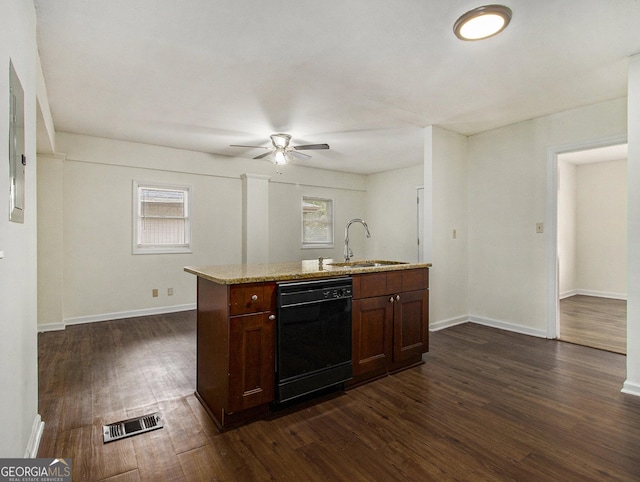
{"points": [[133, 426]]}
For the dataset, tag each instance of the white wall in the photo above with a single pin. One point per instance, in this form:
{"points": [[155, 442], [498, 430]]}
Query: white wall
{"points": [[18, 306], [285, 220], [567, 243], [392, 215], [592, 229], [103, 280], [601, 200], [449, 288], [507, 197], [50, 232]]}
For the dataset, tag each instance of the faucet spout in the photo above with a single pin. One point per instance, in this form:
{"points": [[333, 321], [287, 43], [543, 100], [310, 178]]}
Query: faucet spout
{"points": [[348, 254]]}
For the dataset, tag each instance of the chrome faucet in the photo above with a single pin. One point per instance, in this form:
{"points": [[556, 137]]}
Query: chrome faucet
{"points": [[348, 254]]}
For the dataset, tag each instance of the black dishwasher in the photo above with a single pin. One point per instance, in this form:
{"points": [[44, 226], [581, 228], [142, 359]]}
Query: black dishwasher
{"points": [[313, 336]]}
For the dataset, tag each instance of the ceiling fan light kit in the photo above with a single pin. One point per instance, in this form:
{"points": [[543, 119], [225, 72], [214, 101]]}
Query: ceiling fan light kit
{"points": [[280, 140], [482, 22], [281, 152]]}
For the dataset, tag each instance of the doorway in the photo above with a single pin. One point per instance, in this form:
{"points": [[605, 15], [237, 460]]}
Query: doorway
{"points": [[591, 246]]}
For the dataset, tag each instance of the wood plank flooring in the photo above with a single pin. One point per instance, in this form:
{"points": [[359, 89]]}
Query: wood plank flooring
{"points": [[486, 405], [595, 322]]}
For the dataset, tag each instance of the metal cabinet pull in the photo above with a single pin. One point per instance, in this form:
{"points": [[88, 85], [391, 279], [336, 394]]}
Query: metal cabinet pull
{"points": [[397, 297], [254, 297], [391, 299], [272, 317]]}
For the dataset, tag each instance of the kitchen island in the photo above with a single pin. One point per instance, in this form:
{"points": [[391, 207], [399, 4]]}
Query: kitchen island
{"points": [[236, 333]]}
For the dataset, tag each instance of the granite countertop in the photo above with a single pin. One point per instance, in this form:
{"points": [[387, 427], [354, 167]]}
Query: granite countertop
{"points": [[305, 269]]}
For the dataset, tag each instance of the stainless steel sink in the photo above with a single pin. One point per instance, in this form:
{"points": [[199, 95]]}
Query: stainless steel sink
{"points": [[367, 264]]}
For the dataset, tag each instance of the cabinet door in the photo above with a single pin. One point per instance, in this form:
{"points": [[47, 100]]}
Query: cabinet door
{"points": [[251, 361], [372, 334], [411, 325]]}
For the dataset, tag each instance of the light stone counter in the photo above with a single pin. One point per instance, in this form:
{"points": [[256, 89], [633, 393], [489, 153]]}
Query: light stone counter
{"points": [[305, 269]]}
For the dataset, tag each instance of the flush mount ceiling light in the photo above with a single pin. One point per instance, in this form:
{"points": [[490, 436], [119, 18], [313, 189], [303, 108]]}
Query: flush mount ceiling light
{"points": [[482, 22]]}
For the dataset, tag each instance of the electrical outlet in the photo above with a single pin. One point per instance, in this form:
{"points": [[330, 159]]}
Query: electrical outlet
{"points": [[154, 293], [169, 291], [539, 228], [455, 234]]}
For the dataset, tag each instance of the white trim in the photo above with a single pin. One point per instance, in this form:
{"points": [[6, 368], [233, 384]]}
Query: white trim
{"points": [[119, 315], [598, 294], [332, 225], [420, 221], [255, 176], [551, 220], [135, 218], [505, 325], [568, 294], [631, 388], [448, 323], [31, 452], [551, 247], [50, 327]]}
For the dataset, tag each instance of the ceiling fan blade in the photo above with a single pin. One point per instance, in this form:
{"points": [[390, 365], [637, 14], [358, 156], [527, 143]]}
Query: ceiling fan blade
{"points": [[262, 156], [252, 147], [311, 146], [299, 155]]}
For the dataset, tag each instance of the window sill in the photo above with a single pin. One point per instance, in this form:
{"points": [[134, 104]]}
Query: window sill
{"points": [[162, 250], [317, 246]]}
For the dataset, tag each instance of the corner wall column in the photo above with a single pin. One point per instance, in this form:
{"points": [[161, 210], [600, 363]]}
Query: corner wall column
{"points": [[632, 383], [255, 218]]}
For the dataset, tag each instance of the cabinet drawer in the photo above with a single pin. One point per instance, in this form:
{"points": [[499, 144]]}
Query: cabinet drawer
{"points": [[369, 285], [390, 282], [415, 279], [251, 298]]}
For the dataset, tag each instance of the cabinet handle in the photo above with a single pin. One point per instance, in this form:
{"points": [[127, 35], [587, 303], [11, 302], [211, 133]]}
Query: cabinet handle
{"points": [[272, 317], [391, 299], [397, 297], [254, 298]]}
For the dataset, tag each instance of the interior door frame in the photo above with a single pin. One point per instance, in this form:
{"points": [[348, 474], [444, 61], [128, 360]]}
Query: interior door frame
{"points": [[420, 221], [551, 222]]}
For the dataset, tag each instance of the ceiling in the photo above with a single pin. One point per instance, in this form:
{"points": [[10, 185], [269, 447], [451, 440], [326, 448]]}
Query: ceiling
{"points": [[364, 76], [618, 152]]}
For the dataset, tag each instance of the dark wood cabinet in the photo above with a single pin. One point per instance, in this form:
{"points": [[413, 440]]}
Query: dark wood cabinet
{"points": [[390, 322], [410, 326], [372, 335], [236, 338], [235, 350], [251, 361]]}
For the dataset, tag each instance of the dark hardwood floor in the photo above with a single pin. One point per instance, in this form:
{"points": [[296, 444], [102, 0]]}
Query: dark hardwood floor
{"points": [[486, 405], [595, 322]]}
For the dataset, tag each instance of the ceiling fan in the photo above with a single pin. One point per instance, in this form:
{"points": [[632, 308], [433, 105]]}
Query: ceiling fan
{"points": [[281, 152]]}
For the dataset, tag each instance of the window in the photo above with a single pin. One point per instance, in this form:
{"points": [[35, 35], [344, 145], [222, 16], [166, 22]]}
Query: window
{"points": [[317, 222], [161, 222]]}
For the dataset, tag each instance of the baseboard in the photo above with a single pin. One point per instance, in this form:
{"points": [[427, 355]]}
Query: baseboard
{"points": [[31, 451], [115, 316], [448, 323], [50, 327], [568, 294], [504, 325], [631, 388], [598, 294], [603, 294]]}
